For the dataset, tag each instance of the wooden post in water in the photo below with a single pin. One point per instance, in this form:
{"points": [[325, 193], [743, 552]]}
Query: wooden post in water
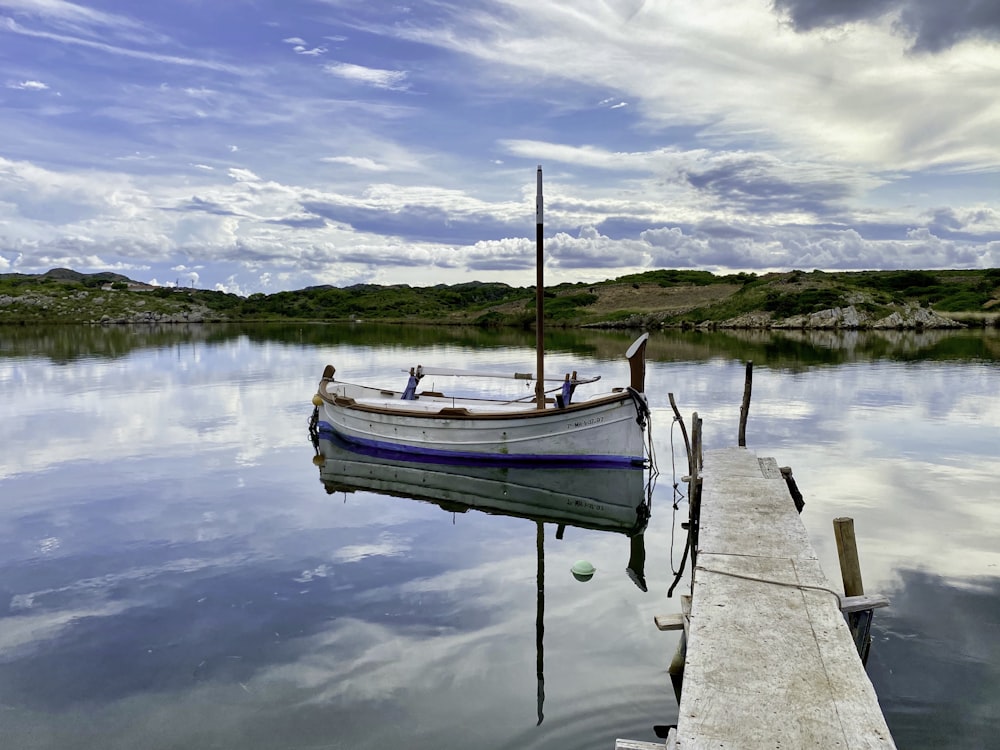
{"points": [[847, 551], [539, 299], [745, 406], [694, 491], [850, 571]]}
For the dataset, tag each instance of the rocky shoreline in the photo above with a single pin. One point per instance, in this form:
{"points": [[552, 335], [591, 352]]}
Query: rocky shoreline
{"points": [[847, 318], [850, 318]]}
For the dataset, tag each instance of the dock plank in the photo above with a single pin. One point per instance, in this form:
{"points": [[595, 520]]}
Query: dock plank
{"points": [[770, 659]]}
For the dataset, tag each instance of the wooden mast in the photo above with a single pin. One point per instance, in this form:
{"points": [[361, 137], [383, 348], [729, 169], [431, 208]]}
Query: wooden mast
{"points": [[539, 300]]}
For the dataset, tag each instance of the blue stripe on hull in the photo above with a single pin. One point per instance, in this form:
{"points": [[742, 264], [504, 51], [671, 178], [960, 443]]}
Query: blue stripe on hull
{"points": [[469, 458]]}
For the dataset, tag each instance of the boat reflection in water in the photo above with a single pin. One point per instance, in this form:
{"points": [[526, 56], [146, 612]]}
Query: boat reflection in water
{"points": [[605, 499]]}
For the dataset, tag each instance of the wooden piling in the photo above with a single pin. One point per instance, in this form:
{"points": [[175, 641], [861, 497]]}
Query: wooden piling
{"points": [[860, 622], [694, 490], [847, 551], [793, 488], [745, 406]]}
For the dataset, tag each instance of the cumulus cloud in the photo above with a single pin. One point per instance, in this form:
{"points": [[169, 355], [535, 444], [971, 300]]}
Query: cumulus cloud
{"points": [[500, 255], [590, 249], [232, 286]]}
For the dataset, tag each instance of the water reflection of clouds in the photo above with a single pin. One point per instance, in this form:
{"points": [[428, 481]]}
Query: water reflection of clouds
{"points": [[295, 628], [225, 395], [481, 666], [386, 545], [907, 513], [934, 660]]}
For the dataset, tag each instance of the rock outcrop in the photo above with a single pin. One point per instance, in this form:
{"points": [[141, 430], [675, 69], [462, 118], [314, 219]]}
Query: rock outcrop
{"points": [[846, 318]]}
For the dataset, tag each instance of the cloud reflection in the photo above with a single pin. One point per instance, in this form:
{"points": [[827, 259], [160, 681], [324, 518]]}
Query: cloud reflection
{"points": [[935, 659]]}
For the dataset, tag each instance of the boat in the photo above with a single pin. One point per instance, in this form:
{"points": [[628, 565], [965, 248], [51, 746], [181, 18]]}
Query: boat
{"points": [[604, 499], [604, 429]]}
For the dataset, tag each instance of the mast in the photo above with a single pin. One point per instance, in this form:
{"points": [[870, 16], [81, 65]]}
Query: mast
{"points": [[539, 300]]}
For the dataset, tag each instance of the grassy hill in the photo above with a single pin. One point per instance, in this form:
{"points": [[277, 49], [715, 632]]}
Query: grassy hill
{"points": [[650, 299]]}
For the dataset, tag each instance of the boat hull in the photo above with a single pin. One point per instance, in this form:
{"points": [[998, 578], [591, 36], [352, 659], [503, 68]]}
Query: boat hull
{"points": [[607, 431]]}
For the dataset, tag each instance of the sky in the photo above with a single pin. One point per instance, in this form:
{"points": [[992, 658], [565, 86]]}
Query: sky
{"points": [[264, 145]]}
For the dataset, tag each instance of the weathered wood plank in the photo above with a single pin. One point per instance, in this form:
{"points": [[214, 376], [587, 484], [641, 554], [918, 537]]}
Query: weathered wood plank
{"points": [[638, 745], [770, 659], [669, 622], [860, 603], [769, 468]]}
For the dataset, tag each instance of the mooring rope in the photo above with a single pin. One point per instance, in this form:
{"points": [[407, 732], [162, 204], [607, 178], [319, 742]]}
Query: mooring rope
{"points": [[787, 584], [678, 495]]}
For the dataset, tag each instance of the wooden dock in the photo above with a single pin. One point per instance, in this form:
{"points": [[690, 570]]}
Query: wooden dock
{"points": [[770, 660]]}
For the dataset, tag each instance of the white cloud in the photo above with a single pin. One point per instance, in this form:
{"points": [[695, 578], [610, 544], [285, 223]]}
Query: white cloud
{"points": [[199, 93], [69, 14], [360, 162], [382, 79], [232, 286], [735, 73], [14, 27], [29, 86], [243, 175]]}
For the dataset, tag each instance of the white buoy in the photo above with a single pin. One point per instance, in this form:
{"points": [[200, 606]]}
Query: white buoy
{"points": [[583, 570]]}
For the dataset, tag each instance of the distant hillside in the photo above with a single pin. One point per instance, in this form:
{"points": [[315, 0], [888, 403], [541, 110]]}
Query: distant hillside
{"points": [[795, 299]]}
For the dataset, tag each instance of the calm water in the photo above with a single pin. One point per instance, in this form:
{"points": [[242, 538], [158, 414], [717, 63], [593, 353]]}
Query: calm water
{"points": [[173, 573]]}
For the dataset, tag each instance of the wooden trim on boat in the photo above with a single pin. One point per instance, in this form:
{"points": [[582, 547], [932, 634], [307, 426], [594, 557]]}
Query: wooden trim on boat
{"points": [[463, 413]]}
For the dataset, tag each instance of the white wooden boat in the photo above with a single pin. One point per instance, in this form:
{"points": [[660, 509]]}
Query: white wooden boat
{"points": [[608, 429], [604, 429]]}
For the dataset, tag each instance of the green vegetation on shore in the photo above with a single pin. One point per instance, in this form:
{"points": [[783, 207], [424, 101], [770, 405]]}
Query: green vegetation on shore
{"points": [[654, 298]]}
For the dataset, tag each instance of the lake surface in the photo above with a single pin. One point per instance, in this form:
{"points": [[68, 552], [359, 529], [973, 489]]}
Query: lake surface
{"points": [[173, 573]]}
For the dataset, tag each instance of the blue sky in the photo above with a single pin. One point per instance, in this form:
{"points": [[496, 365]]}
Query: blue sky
{"points": [[275, 144]]}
